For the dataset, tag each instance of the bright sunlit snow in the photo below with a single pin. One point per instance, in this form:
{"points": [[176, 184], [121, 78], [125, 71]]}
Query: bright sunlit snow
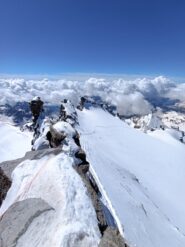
{"points": [[13, 143], [142, 176]]}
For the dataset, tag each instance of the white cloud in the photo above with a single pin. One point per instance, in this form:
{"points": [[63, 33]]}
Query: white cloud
{"points": [[129, 104], [177, 92], [131, 96]]}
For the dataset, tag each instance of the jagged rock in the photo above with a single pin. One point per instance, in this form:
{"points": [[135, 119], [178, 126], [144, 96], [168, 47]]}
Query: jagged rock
{"points": [[81, 155], [5, 184], [93, 183], [103, 214], [112, 238], [81, 103], [17, 219], [83, 168], [77, 139], [54, 137], [94, 197]]}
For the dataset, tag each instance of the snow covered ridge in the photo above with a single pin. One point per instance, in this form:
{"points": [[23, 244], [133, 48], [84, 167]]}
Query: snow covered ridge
{"points": [[49, 203], [137, 96], [91, 180]]}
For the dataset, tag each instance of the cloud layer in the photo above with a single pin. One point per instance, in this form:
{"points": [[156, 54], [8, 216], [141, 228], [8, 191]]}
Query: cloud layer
{"points": [[137, 96]]}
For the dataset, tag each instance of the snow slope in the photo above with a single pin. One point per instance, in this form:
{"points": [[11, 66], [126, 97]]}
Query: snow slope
{"points": [[141, 176], [13, 143], [72, 222], [169, 136]]}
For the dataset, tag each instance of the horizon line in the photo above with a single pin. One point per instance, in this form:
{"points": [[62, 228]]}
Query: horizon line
{"points": [[84, 75]]}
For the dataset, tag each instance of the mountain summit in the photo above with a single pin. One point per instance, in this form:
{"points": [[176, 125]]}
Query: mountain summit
{"points": [[85, 175]]}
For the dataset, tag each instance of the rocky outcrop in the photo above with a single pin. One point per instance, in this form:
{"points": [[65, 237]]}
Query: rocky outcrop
{"points": [[112, 238], [110, 235], [55, 137], [80, 154], [18, 218], [5, 184], [82, 171]]}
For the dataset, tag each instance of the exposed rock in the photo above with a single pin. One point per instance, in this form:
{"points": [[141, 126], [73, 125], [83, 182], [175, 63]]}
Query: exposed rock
{"points": [[94, 197], [17, 219], [77, 139], [81, 155], [83, 168], [93, 183], [55, 138], [5, 184], [103, 214], [112, 238]]}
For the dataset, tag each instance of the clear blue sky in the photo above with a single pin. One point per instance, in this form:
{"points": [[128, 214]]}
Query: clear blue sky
{"points": [[92, 36]]}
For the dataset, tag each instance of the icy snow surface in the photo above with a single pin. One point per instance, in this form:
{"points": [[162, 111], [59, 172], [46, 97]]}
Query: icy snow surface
{"points": [[142, 176], [13, 143], [72, 222]]}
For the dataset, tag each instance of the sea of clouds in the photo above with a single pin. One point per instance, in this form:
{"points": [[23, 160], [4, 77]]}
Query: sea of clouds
{"points": [[134, 96]]}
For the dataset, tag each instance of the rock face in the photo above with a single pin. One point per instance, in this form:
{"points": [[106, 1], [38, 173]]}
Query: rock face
{"points": [[82, 170], [112, 238], [17, 219], [5, 184], [55, 137], [81, 155]]}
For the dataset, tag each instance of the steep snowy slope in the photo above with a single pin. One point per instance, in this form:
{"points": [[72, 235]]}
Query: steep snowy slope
{"points": [[13, 143], [141, 176], [169, 136]]}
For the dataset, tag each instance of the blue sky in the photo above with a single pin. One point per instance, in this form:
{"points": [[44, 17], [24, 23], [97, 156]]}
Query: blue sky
{"points": [[92, 36]]}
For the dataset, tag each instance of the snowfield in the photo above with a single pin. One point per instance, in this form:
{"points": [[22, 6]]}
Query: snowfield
{"points": [[140, 176], [13, 143]]}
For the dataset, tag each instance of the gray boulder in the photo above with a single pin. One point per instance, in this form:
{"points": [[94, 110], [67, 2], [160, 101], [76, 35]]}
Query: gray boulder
{"points": [[17, 219], [81, 155]]}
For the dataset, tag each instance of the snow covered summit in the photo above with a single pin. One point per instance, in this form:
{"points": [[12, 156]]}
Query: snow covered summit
{"points": [[50, 197]]}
